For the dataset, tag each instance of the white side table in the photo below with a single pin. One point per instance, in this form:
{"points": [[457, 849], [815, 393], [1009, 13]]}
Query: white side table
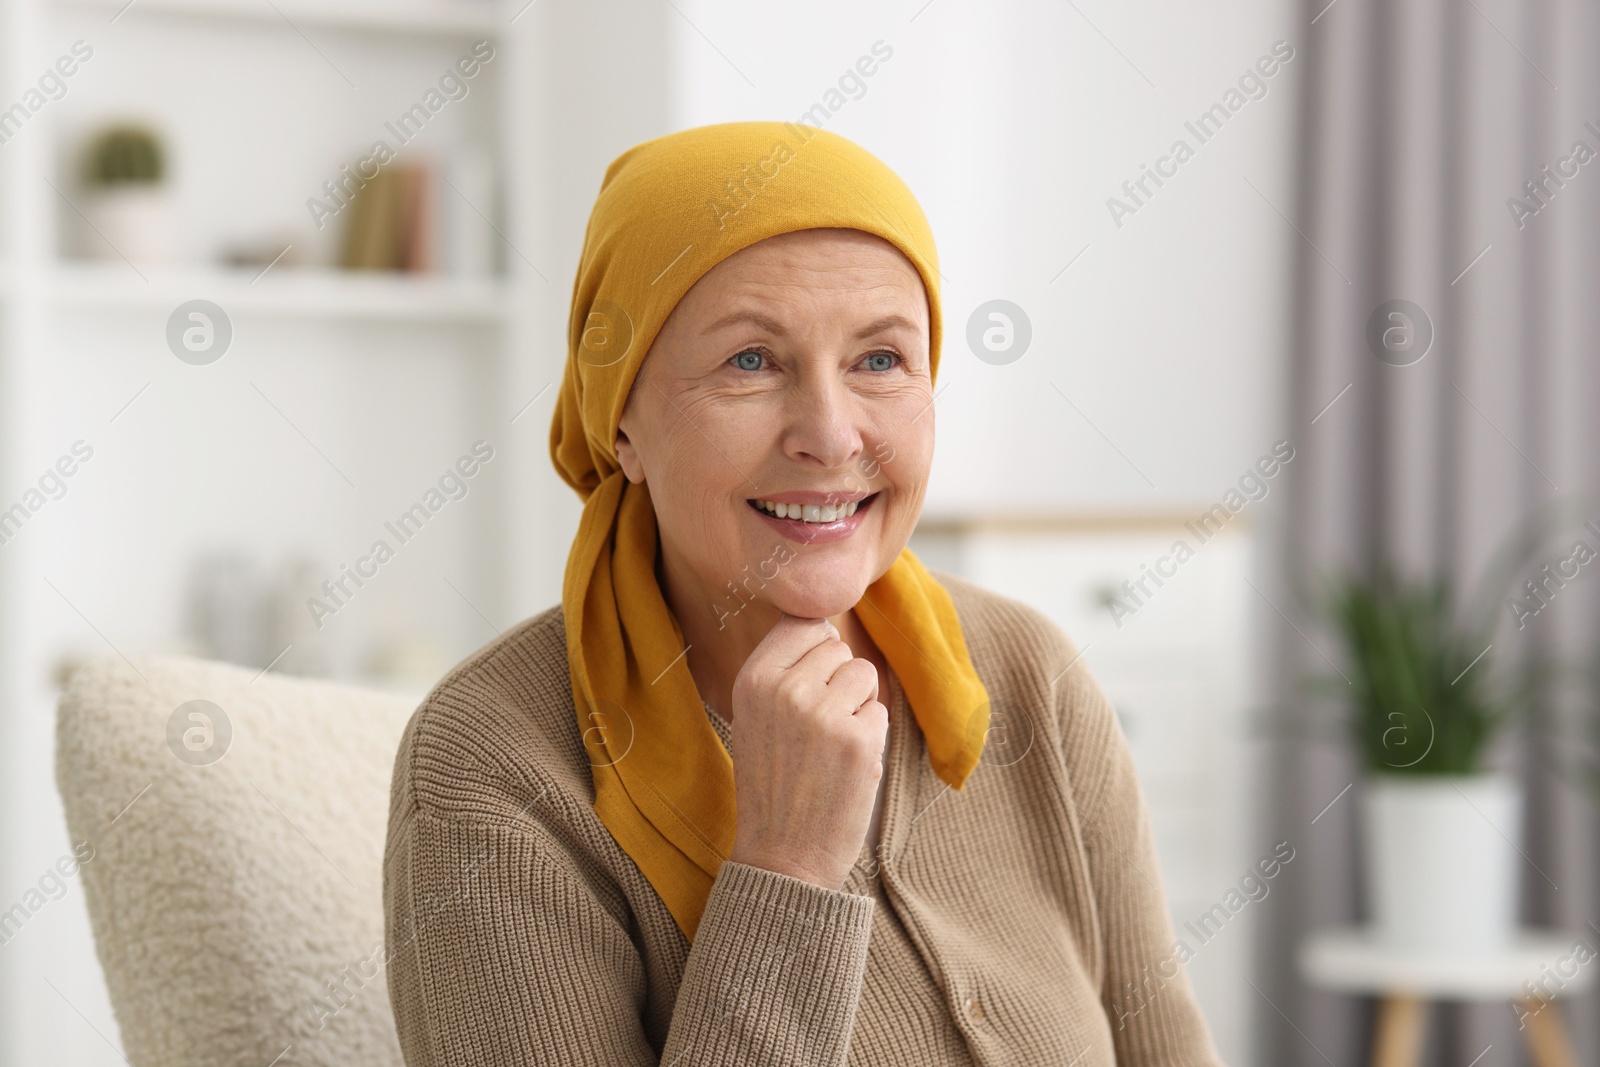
{"points": [[1350, 959]]}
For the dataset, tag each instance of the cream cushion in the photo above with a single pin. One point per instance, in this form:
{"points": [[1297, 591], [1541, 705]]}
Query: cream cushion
{"points": [[236, 902]]}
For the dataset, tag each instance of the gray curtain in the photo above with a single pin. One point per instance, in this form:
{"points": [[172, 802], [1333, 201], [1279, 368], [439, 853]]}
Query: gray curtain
{"points": [[1421, 121]]}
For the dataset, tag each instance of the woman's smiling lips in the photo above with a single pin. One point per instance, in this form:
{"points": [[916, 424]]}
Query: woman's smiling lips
{"points": [[847, 511]]}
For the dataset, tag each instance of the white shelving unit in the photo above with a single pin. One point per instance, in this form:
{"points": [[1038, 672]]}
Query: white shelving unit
{"points": [[463, 17], [301, 292], [340, 401]]}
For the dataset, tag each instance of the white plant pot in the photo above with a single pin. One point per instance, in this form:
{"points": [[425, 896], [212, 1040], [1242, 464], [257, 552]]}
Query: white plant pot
{"points": [[1442, 861], [135, 220]]}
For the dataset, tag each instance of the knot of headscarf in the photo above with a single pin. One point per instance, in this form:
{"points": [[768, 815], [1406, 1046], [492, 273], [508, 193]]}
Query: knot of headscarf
{"points": [[669, 210]]}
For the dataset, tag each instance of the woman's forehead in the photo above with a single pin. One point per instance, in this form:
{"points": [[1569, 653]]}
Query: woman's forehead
{"points": [[752, 285]]}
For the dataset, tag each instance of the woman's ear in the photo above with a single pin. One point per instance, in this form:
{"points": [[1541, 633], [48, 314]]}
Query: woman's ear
{"points": [[627, 455]]}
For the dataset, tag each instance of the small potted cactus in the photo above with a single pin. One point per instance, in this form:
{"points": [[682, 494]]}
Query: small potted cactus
{"points": [[126, 199]]}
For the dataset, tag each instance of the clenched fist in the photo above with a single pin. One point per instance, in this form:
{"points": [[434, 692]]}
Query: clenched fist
{"points": [[808, 737]]}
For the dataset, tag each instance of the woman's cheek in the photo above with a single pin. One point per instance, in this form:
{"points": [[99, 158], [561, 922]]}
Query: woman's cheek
{"points": [[906, 457]]}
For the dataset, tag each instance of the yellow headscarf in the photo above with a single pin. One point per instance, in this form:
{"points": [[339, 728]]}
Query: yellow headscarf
{"points": [[669, 210]]}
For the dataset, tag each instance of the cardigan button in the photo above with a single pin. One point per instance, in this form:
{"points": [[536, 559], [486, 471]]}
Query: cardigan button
{"points": [[974, 1010]]}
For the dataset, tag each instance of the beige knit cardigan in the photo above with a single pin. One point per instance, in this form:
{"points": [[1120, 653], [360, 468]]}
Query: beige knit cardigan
{"points": [[1019, 920]]}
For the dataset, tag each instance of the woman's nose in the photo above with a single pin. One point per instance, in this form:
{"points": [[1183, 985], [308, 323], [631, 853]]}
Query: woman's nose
{"points": [[823, 416]]}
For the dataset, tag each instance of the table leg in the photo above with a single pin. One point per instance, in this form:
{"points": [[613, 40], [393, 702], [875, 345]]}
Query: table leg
{"points": [[1546, 1034], [1399, 1036]]}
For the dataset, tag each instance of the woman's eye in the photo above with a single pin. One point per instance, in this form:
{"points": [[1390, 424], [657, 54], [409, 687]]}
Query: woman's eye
{"points": [[748, 360], [889, 359]]}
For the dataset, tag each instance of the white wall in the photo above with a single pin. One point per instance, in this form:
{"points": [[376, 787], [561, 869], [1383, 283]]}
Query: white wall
{"points": [[1013, 123]]}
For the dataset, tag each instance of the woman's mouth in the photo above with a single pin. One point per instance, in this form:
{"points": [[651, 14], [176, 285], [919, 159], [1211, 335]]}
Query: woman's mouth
{"points": [[814, 523]]}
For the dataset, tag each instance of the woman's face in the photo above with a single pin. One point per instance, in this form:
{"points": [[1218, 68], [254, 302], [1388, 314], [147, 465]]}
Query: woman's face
{"points": [[795, 372]]}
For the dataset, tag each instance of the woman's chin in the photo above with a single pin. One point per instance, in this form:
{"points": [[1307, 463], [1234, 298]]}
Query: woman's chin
{"points": [[820, 599]]}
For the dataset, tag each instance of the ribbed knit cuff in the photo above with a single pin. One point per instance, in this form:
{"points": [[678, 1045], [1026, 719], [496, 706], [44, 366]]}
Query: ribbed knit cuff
{"points": [[783, 892], [775, 972]]}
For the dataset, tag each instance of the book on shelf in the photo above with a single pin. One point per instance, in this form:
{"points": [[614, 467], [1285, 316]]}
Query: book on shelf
{"points": [[416, 217], [390, 222]]}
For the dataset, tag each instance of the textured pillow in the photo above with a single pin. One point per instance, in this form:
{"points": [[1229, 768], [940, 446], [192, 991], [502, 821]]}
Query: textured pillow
{"points": [[235, 884]]}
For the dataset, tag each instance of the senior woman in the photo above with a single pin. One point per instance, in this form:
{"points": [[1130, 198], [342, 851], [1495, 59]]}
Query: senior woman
{"points": [[743, 797]]}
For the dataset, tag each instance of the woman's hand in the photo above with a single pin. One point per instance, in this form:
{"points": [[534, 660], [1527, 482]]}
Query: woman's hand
{"points": [[808, 737]]}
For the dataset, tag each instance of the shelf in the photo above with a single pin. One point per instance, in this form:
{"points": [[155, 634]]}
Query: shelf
{"points": [[447, 17], [297, 292]]}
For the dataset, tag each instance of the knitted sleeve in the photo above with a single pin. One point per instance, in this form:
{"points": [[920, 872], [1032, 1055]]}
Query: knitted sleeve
{"points": [[502, 948], [1148, 1002]]}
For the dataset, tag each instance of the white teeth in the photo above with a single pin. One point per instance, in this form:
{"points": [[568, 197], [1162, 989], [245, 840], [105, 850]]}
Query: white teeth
{"points": [[810, 512]]}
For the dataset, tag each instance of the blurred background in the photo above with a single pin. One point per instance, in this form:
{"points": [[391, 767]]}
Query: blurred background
{"points": [[1269, 373]]}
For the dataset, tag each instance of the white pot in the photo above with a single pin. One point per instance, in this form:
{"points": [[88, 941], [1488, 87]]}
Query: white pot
{"points": [[1442, 861], [133, 220]]}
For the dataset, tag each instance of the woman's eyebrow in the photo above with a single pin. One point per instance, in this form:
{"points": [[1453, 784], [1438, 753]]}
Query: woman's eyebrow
{"points": [[888, 322], [775, 328], [771, 325]]}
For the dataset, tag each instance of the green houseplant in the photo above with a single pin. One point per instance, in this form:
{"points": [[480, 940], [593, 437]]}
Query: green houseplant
{"points": [[127, 203], [1440, 830], [124, 154], [1424, 700]]}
